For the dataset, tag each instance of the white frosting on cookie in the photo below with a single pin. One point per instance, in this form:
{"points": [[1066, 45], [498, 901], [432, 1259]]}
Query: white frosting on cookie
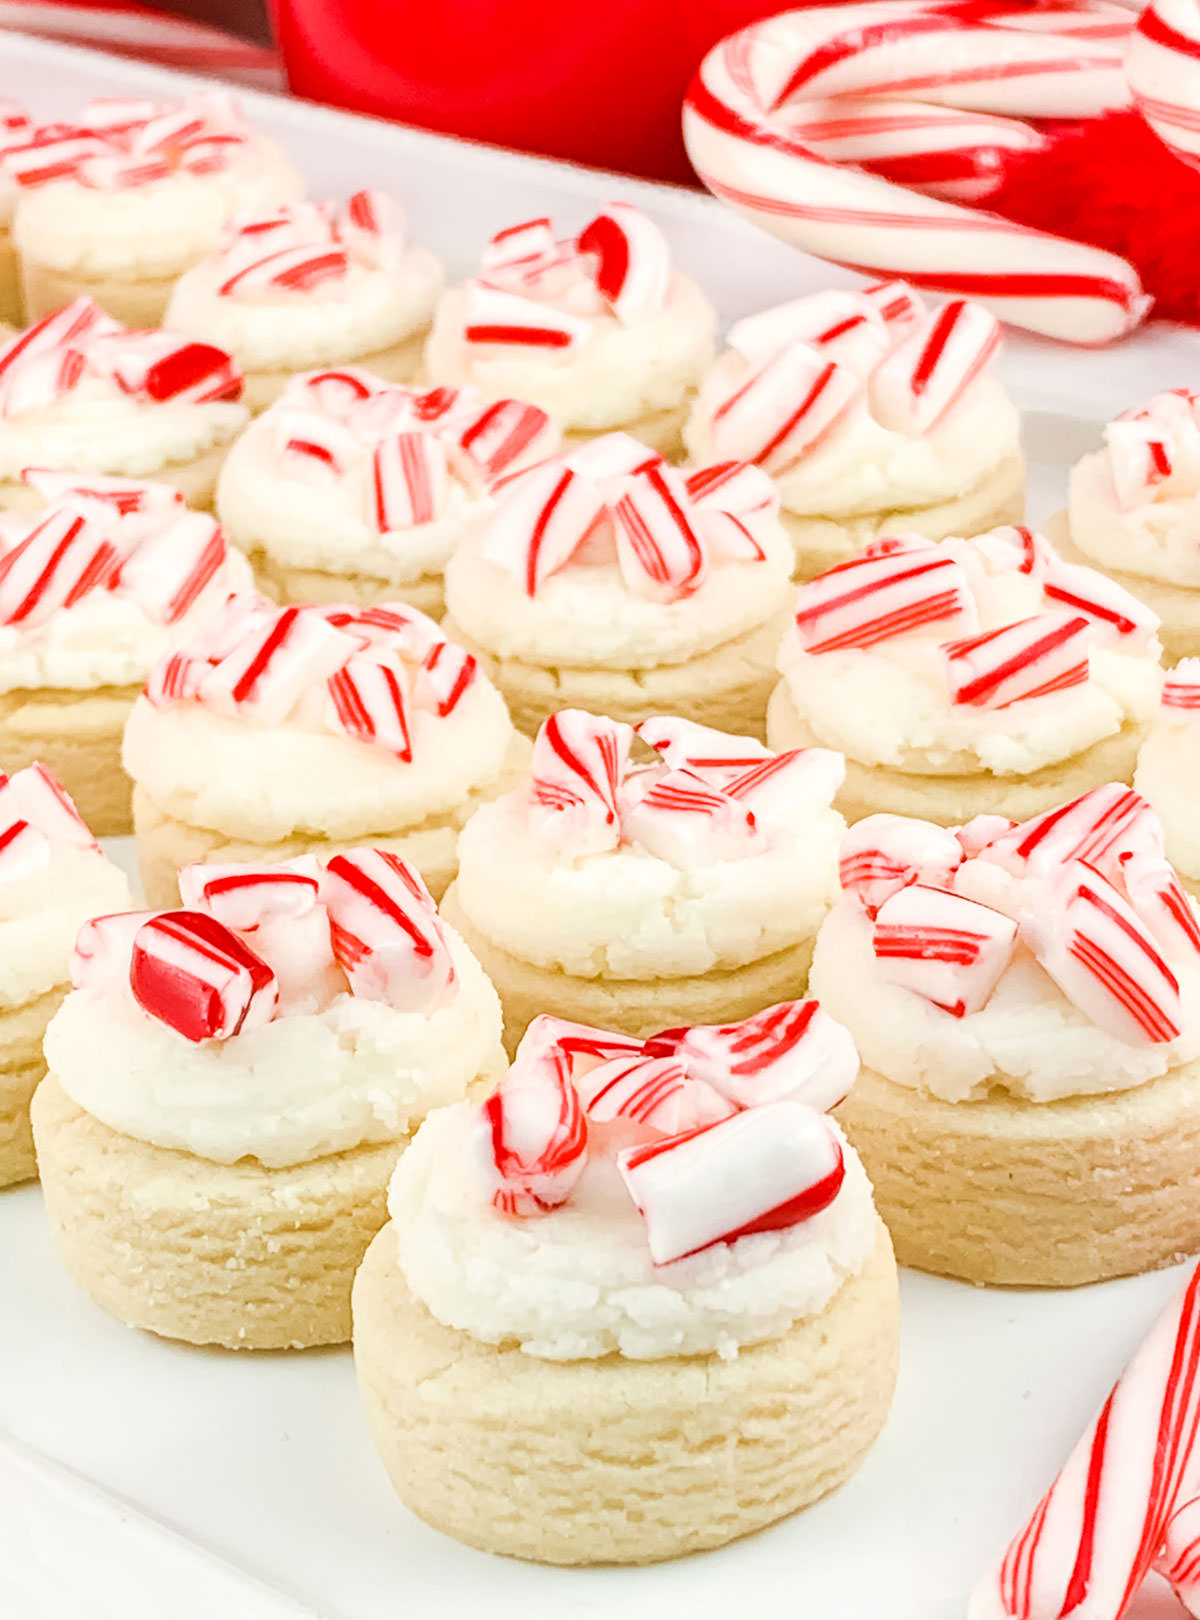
{"points": [[1168, 769], [1157, 538], [303, 1085], [42, 911], [156, 229], [891, 704], [266, 784], [1029, 1039], [578, 1281]]}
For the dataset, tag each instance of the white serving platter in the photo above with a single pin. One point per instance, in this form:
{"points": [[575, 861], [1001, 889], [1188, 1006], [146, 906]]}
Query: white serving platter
{"points": [[147, 1481]]}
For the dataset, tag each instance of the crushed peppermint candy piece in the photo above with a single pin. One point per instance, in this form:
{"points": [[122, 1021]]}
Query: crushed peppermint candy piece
{"points": [[1019, 662], [533, 1133], [792, 1050], [873, 599], [649, 1090], [883, 854], [197, 976], [947, 949], [37, 796], [579, 762], [758, 1171], [387, 935]]}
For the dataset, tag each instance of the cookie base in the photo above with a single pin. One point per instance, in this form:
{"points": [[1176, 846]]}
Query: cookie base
{"points": [[283, 584], [234, 1255], [196, 481], [635, 1006], [21, 1068], [1177, 606], [399, 363], [727, 688], [135, 301], [1034, 1194], [164, 844], [821, 542], [12, 303], [952, 800], [619, 1461], [77, 735]]}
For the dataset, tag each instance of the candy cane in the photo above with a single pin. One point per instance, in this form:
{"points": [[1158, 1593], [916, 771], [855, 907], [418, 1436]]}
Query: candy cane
{"points": [[497, 317], [767, 99], [658, 548], [874, 599], [411, 479], [127, 496], [578, 765], [533, 1138], [192, 973], [1102, 957], [1019, 662], [653, 1091], [683, 821], [1162, 64], [947, 949], [386, 932], [774, 1166], [170, 569], [633, 263], [1117, 617], [301, 268], [882, 854], [1098, 827], [542, 524], [506, 434], [267, 671], [1124, 1503], [369, 701], [245, 896], [37, 796], [916, 384], [103, 947], [58, 563], [785, 407], [1181, 689], [1161, 902], [793, 1050]]}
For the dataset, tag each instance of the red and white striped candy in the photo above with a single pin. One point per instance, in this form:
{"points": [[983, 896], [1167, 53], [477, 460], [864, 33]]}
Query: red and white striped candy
{"points": [[369, 700], [496, 317], [659, 552], [270, 667], [313, 444], [633, 262], [612, 456], [1016, 663], [734, 488], [243, 896], [177, 678], [103, 949], [1181, 689], [542, 523], [582, 1043], [761, 1170], [900, 306], [717, 756], [681, 820], [787, 404], [1125, 1501], [387, 935], [928, 371], [875, 599], [842, 326], [13, 115], [943, 947], [61, 559], [793, 1050], [1163, 67], [1099, 827], [129, 497], [745, 126], [299, 268], [883, 854], [1102, 957], [192, 973], [533, 1134], [507, 434], [53, 153], [1140, 458], [975, 835], [1162, 903], [1008, 550], [653, 1091], [772, 786], [37, 796], [525, 243], [169, 570], [578, 765], [68, 328], [411, 477], [1117, 617], [446, 674], [160, 366], [337, 392], [371, 224]]}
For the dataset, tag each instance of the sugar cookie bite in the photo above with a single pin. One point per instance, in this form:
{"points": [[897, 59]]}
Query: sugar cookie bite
{"points": [[312, 284], [53, 877], [872, 414], [609, 581], [1168, 770], [1133, 511], [82, 394], [230, 1086], [352, 489], [279, 731], [683, 887], [646, 1280], [1026, 1002], [96, 587], [599, 329], [118, 204], [967, 677], [17, 130]]}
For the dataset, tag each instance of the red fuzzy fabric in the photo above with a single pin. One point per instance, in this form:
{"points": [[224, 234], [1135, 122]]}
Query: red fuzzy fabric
{"points": [[1112, 182]]}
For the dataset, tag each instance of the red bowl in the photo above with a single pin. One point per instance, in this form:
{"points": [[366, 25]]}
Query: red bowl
{"points": [[600, 86]]}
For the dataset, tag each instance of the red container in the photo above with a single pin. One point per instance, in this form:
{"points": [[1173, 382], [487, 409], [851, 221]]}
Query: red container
{"points": [[599, 84]]}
